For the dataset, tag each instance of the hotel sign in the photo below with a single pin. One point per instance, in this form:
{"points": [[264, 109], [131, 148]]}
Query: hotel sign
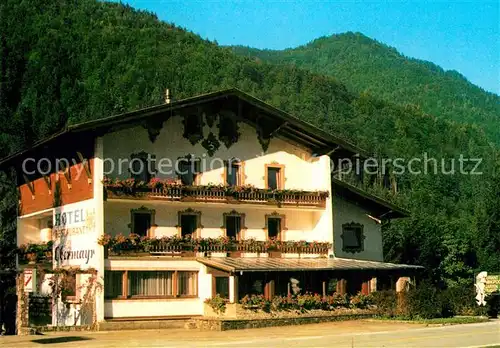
{"points": [[485, 285], [75, 236], [492, 283]]}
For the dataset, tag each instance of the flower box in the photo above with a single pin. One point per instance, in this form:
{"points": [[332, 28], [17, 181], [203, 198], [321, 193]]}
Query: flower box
{"points": [[235, 254], [275, 254]]}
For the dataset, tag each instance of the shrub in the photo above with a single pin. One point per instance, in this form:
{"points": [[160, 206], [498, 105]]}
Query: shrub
{"points": [[361, 301], [217, 303], [427, 302], [423, 302], [283, 303], [309, 301], [493, 304], [459, 301], [385, 302], [340, 300], [256, 302]]}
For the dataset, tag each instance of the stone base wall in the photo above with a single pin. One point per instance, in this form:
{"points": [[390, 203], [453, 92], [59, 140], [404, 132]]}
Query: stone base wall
{"points": [[212, 324]]}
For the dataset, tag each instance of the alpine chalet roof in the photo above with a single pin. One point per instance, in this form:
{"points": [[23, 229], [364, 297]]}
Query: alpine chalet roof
{"points": [[249, 110], [380, 207]]}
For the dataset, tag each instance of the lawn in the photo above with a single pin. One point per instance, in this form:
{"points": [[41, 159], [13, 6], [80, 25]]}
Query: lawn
{"points": [[439, 321]]}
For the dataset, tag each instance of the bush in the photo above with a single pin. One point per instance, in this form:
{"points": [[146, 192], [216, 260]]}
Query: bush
{"points": [[334, 301], [217, 303], [256, 302], [493, 305], [339, 300], [309, 301], [459, 301], [423, 302], [361, 301], [427, 302], [385, 302], [283, 303]]}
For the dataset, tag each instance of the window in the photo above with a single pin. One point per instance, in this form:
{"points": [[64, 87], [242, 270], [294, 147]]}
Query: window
{"points": [[275, 225], [275, 176], [352, 237], [189, 222], [113, 284], [150, 283], [140, 168], [273, 228], [222, 286], [142, 220], [187, 283], [234, 173], [233, 226], [188, 169], [188, 225]]}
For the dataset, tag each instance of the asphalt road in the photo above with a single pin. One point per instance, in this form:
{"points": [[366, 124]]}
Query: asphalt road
{"points": [[343, 334]]}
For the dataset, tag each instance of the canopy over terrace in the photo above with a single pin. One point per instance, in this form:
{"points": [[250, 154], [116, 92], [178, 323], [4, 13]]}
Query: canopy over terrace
{"points": [[272, 276]]}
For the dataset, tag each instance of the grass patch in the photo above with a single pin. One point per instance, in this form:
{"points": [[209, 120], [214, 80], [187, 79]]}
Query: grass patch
{"points": [[453, 320], [438, 321]]}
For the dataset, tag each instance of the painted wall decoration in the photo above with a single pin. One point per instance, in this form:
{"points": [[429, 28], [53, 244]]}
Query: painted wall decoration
{"points": [[75, 236]]}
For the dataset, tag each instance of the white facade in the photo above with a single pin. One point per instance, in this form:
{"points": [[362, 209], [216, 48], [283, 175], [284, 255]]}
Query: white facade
{"points": [[170, 145], [346, 212], [301, 224]]}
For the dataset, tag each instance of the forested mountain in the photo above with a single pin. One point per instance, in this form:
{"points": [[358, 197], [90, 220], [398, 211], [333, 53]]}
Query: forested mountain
{"points": [[368, 66], [64, 62]]}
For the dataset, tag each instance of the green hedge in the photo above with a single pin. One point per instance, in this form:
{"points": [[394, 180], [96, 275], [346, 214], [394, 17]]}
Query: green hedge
{"points": [[427, 302]]}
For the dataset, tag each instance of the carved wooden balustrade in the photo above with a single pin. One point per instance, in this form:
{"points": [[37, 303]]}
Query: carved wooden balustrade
{"points": [[221, 195], [209, 246]]}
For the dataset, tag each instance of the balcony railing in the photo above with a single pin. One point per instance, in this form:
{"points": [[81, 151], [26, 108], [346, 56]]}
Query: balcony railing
{"points": [[216, 194], [133, 244]]}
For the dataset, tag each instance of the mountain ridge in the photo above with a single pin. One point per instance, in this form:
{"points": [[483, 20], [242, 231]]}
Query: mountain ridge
{"points": [[366, 65]]}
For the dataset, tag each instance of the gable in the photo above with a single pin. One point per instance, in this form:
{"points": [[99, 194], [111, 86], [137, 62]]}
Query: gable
{"points": [[268, 121]]}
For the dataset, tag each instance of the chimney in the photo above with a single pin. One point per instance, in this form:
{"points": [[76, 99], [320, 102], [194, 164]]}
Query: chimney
{"points": [[167, 96]]}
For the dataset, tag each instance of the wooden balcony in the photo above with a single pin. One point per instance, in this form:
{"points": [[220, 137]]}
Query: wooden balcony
{"points": [[191, 247], [218, 194]]}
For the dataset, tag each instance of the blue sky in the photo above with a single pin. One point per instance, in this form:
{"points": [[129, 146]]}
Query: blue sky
{"points": [[458, 35]]}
